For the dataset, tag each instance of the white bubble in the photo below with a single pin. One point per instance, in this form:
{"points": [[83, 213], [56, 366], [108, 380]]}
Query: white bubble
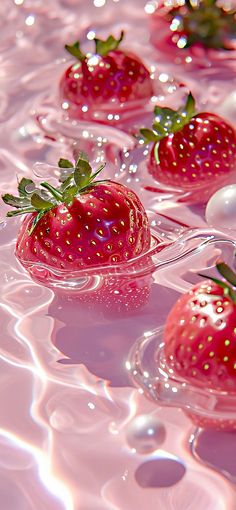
{"points": [[221, 209], [163, 77], [30, 20], [99, 3], [145, 434], [90, 35], [150, 7]]}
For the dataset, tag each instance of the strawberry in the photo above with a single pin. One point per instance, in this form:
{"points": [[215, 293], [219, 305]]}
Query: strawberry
{"points": [[81, 223], [191, 150], [103, 85], [204, 23], [200, 334]]}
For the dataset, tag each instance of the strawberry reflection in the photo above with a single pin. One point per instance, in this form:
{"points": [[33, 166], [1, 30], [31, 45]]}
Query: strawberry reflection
{"points": [[178, 32], [99, 328]]}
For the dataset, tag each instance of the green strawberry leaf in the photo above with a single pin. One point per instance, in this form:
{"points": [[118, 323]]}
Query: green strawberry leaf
{"points": [[81, 178], [169, 121], [65, 163], [163, 112], [100, 168], [17, 202], [19, 212], [215, 280], [67, 182], [110, 44], [55, 192], [189, 108], [75, 51], [161, 128], [81, 155], [227, 273], [69, 194], [149, 135], [82, 163], [40, 204], [83, 171], [45, 197], [23, 185]]}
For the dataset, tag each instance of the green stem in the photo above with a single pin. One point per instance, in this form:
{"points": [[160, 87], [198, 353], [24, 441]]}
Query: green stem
{"points": [[227, 273], [75, 51], [156, 154], [54, 192], [18, 212]]}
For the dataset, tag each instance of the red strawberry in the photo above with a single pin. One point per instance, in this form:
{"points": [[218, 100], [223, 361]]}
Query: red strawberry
{"points": [[103, 85], [204, 23], [82, 223], [200, 334], [191, 150]]}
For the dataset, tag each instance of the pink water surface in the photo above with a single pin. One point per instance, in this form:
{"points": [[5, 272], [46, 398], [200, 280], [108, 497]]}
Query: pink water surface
{"points": [[71, 436]]}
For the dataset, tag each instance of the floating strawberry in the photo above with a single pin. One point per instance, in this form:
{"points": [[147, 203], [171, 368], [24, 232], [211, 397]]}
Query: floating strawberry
{"points": [[103, 85], [200, 333], [81, 223], [204, 22], [191, 150]]}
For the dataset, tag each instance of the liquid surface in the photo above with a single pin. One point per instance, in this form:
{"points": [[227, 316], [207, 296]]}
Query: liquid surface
{"points": [[75, 433]]}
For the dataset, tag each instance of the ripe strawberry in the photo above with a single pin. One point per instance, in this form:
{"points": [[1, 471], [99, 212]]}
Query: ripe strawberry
{"points": [[200, 333], [191, 150], [103, 85], [81, 223], [204, 23]]}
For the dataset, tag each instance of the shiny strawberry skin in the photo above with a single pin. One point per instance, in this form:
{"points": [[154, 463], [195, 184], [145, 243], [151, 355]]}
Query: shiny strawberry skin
{"points": [[200, 337], [105, 225], [202, 152], [105, 81]]}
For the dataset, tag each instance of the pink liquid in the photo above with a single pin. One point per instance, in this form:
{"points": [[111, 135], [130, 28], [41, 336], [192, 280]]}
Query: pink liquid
{"points": [[69, 439]]}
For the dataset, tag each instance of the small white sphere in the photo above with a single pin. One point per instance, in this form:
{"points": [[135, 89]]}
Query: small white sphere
{"points": [[145, 434], [221, 209]]}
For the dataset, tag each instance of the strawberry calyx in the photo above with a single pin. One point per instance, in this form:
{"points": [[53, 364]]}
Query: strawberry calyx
{"points": [[203, 21], [169, 121], [109, 44], [75, 180], [75, 51], [229, 285], [102, 47]]}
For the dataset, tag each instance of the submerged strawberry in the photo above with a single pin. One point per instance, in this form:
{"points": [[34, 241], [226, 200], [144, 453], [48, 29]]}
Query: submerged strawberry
{"points": [[110, 81], [200, 333], [81, 223], [204, 22], [191, 150]]}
